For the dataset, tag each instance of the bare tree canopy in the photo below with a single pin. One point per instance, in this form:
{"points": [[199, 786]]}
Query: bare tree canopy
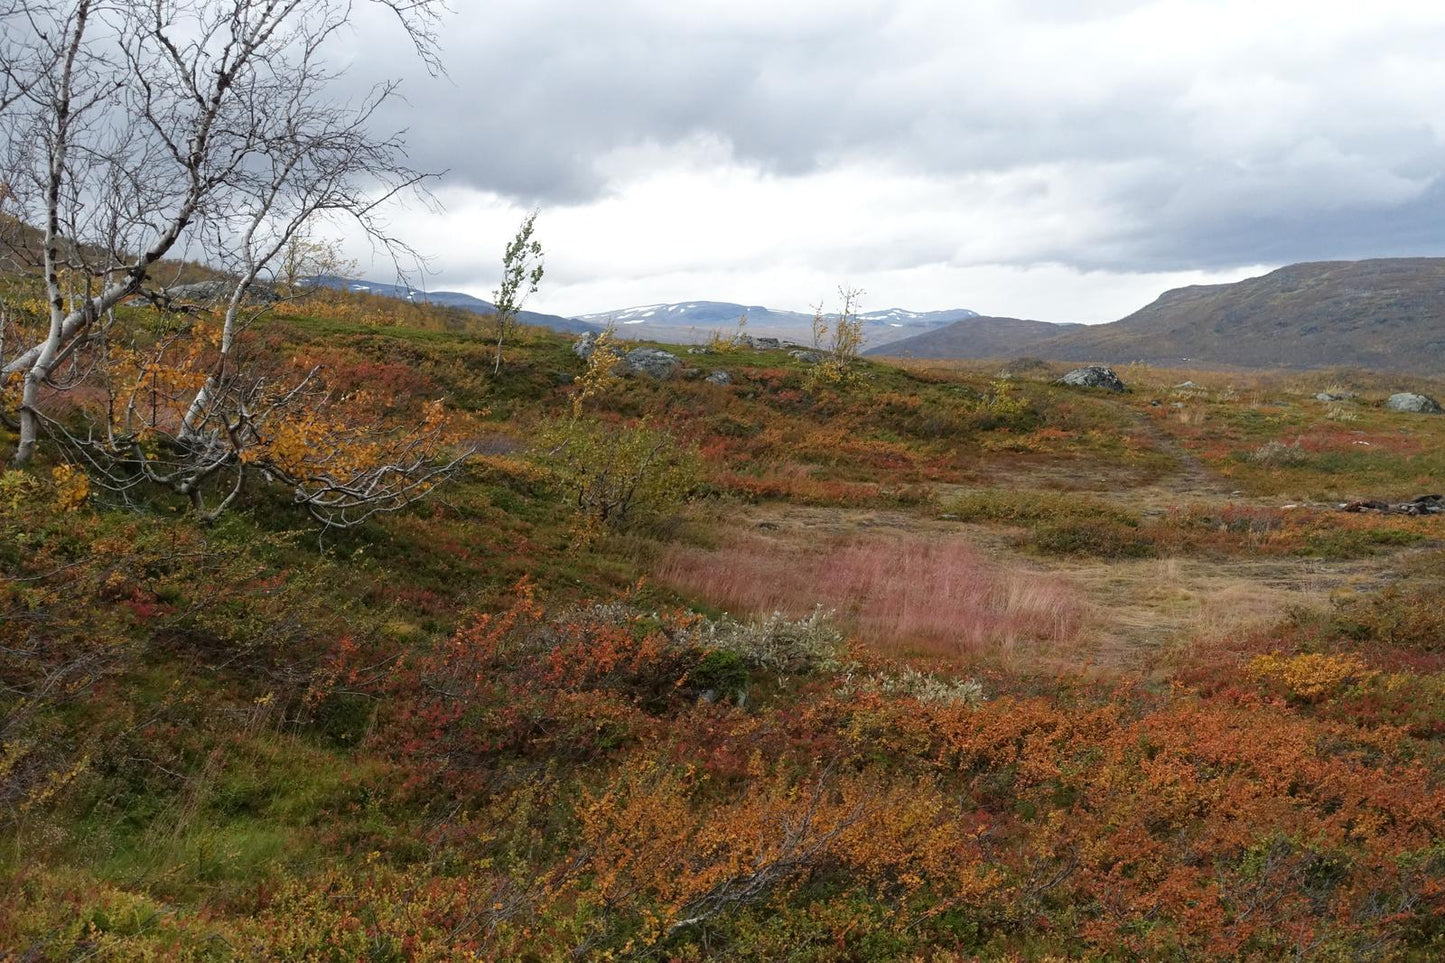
{"points": [[134, 130]]}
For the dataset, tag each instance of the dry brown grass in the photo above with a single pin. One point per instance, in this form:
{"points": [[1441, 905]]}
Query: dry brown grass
{"points": [[898, 592], [907, 584]]}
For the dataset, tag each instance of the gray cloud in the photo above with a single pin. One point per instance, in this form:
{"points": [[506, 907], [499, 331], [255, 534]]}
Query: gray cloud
{"points": [[1191, 135]]}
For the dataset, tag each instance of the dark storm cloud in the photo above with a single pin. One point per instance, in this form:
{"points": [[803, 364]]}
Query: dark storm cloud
{"points": [[1205, 134]]}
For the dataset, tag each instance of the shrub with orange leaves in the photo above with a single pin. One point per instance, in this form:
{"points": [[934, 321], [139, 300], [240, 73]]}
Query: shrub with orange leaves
{"points": [[203, 416]]}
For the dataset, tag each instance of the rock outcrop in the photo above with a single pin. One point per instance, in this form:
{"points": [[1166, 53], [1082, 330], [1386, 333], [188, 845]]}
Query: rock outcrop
{"points": [[1094, 376], [1414, 403], [653, 362]]}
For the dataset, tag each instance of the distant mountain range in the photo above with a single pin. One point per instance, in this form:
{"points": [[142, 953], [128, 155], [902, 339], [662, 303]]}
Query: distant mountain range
{"points": [[450, 299], [686, 322], [690, 321], [1386, 314]]}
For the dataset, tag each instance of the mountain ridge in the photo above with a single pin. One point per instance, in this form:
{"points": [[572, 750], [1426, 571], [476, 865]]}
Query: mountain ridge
{"points": [[1384, 313], [450, 299], [689, 321]]}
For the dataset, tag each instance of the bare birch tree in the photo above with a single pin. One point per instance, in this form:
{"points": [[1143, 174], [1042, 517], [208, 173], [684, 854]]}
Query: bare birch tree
{"points": [[138, 128]]}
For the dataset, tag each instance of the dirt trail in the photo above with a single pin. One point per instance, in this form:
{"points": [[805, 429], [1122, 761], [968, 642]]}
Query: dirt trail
{"points": [[1191, 476]]}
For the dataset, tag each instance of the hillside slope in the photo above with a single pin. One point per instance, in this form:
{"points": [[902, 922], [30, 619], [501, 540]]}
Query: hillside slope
{"points": [[977, 337], [1385, 314], [452, 299]]}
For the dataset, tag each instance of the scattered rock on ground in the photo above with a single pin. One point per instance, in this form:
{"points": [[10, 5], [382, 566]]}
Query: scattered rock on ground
{"points": [[1093, 376], [653, 362], [1424, 505], [760, 344], [1418, 404], [1188, 386], [1329, 396], [806, 356], [720, 377]]}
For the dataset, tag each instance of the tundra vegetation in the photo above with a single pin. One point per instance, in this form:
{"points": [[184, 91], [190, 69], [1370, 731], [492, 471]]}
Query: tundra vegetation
{"points": [[914, 663], [922, 665]]}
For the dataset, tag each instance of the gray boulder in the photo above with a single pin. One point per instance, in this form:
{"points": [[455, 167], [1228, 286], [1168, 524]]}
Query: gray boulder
{"points": [[760, 344], [1411, 402], [720, 377], [218, 291], [1093, 376], [653, 362], [806, 356], [585, 345]]}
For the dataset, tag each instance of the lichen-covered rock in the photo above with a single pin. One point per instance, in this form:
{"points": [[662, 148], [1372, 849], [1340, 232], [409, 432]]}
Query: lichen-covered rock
{"points": [[1415, 403], [806, 356], [218, 291], [653, 362], [585, 345], [1093, 376], [720, 377]]}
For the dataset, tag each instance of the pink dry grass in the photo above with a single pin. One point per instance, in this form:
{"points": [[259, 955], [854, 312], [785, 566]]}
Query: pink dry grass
{"points": [[898, 592]]}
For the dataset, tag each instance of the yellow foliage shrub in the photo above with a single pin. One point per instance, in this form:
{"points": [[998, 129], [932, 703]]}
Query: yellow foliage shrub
{"points": [[1310, 677], [72, 487]]}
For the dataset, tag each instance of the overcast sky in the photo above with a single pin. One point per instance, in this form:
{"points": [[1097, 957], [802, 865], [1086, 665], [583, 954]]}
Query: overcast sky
{"points": [[1058, 159]]}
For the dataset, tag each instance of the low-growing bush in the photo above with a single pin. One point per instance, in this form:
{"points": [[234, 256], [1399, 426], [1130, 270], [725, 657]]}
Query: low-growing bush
{"points": [[1411, 615], [1012, 505], [1356, 543], [910, 683], [1094, 537], [777, 643], [614, 474], [1277, 453], [1309, 677]]}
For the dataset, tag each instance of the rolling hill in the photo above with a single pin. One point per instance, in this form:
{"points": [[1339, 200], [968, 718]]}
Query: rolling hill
{"points": [[451, 299], [977, 337], [1383, 314]]}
